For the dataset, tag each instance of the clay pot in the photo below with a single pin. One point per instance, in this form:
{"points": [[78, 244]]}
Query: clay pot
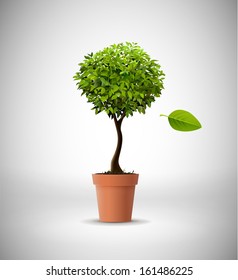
{"points": [[115, 196]]}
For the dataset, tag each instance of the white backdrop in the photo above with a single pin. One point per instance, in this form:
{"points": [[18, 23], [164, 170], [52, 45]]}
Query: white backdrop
{"points": [[51, 141]]}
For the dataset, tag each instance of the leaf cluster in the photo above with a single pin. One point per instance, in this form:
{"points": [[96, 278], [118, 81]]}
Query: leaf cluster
{"points": [[120, 79]]}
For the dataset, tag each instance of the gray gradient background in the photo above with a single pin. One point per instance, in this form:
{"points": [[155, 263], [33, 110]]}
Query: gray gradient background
{"points": [[185, 204]]}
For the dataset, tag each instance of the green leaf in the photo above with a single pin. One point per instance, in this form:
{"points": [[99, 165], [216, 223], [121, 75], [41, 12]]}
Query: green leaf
{"points": [[130, 94], [102, 90], [104, 98], [183, 121], [111, 110], [104, 73], [84, 84], [115, 88], [114, 97], [104, 82]]}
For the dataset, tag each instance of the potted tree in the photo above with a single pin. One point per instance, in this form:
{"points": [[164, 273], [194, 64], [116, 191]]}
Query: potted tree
{"points": [[120, 80]]}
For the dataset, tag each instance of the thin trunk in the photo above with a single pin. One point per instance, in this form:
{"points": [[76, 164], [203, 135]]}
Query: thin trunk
{"points": [[115, 166]]}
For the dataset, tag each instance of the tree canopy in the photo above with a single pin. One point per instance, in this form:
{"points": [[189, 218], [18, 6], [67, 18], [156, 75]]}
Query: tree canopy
{"points": [[120, 79]]}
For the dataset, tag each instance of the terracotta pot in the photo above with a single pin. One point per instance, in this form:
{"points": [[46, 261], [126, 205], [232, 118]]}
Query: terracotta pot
{"points": [[115, 196]]}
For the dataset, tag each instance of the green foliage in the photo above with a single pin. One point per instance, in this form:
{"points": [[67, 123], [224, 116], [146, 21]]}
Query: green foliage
{"points": [[183, 121], [120, 79]]}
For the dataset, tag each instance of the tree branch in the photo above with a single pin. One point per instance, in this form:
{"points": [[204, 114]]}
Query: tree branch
{"points": [[119, 121], [122, 117]]}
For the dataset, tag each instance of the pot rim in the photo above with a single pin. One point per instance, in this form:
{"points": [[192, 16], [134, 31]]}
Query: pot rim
{"points": [[115, 179], [115, 174]]}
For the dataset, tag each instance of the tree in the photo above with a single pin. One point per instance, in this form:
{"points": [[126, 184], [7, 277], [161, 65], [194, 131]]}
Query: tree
{"points": [[120, 80]]}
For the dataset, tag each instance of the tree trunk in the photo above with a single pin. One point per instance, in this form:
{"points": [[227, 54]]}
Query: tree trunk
{"points": [[115, 166]]}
